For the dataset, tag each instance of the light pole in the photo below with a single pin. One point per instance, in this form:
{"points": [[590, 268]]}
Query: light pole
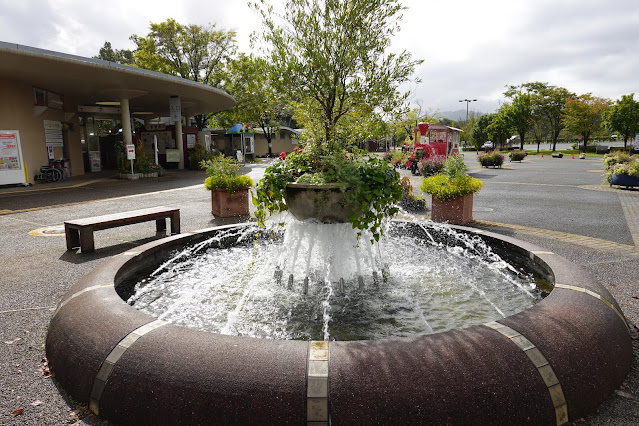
{"points": [[467, 102]]}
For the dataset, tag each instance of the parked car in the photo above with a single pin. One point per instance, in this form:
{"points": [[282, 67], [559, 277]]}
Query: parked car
{"points": [[488, 145]]}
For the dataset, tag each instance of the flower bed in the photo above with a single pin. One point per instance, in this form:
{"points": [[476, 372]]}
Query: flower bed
{"points": [[491, 159]]}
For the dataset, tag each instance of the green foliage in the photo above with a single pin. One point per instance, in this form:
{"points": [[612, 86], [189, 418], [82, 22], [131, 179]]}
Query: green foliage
{"points": [[107, 53], [194, 52], [480, 130], [519, 114], [630, 168], [372, 186], [584, 115], [453, 182], [618, 157], [331, 56], [499, 128], [623, 117], [223, 174], [228, 183], [517, 155], [431, 166], [491, 159]]}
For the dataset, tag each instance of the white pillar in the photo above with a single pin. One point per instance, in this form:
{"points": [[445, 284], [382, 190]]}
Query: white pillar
{"points": [[125, 118], [180, 143]]}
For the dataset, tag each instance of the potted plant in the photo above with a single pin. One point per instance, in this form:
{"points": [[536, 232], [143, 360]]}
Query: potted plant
{"points": [[452, 192], [491, 159], [229, 190], [517, 155], [617, 157], [330, 187], [624, 174]]}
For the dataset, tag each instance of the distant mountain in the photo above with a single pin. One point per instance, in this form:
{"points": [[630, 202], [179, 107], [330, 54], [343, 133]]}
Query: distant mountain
{"points": [[459, 115]]}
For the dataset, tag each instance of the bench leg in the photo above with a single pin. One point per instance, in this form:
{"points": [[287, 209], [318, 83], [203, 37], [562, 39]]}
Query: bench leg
{"points": [[72, 236], [160, 225], [175, 223], [86, 239]]}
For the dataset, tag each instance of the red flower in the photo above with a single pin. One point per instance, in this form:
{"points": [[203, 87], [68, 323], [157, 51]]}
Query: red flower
{"points": [[282, 155]]}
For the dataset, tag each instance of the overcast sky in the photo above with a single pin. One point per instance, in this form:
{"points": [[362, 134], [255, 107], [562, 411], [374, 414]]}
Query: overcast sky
{"points": [[471, 49]]}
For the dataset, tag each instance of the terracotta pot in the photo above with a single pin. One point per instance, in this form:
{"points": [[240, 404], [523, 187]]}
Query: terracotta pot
{"points": [[227, 204], [457, 211], [325, 203]]}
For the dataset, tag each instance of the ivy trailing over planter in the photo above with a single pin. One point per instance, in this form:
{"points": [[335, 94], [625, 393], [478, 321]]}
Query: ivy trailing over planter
{"points": [[372, 187]]}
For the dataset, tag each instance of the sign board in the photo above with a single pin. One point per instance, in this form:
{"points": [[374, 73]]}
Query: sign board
{"points": [[151, 127], [11, 170], [94, 160], [190, 140], [172, 155], [175, 108], [53, 133], [130, 152]]}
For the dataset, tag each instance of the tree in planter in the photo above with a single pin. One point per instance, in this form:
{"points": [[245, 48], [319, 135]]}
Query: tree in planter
{"points": [[584, 116], [623, 117], [331, 56]]}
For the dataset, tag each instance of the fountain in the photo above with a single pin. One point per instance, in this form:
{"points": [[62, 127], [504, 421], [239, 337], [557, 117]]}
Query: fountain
{"points": [[546, 364]]}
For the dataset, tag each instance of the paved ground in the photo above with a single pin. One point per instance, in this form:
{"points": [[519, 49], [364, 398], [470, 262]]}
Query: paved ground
{"points": [[558, 204]]}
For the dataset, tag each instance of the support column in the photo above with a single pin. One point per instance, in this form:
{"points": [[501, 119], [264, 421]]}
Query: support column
{"points": [[178, 141], [125, 117]]}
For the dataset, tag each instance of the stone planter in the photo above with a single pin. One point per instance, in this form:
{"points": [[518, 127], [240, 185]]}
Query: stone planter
{"points": [[130, 176], [624, 180], [457, 211], [325, 203], [228, 204]]}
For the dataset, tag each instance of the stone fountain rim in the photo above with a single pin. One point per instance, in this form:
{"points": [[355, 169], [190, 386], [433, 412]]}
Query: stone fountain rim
{"points": [[165, 373]]}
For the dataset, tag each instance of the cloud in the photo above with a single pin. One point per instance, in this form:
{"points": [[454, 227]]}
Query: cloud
{"points": [[470, 49]]}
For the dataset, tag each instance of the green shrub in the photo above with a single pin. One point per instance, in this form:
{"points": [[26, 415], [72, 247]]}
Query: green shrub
{"points": [[223, 174], [517, 155], [453, 182]]}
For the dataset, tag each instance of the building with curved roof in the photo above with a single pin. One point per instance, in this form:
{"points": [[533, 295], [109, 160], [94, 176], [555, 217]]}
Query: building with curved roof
{"points": [[49, 100]]}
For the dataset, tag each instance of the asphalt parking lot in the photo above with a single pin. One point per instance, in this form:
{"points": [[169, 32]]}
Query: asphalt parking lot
{"points": [[558, 204]]}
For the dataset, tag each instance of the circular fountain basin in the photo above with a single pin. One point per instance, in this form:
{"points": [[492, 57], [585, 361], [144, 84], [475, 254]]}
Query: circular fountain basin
{"points": [[550, 364]]}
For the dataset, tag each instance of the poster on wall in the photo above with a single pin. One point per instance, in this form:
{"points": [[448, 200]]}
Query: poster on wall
{"points": [[190, 141], [11, 169], [94, 159], [172, 155]]}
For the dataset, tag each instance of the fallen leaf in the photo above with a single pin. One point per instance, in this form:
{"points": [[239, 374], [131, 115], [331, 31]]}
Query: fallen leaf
{"points": [[635, 297], [17, 412], [623, 394], [11, 342], [36, 403], [44, 365]]}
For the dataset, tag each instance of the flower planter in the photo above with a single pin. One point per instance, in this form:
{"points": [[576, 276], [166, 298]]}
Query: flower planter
{"points": [[325, 203], [229, 204], [624, 180], [457, 211], [130, 176], [489, 163]]}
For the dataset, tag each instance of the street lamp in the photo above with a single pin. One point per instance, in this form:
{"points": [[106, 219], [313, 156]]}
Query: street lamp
{"points": [[467, 102]]}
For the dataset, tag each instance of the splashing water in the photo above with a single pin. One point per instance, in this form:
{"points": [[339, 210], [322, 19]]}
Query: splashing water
{"points": [[315, 282]]}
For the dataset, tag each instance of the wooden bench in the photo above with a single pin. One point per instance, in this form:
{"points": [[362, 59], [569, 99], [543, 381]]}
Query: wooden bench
{"points": [[79, 233]]}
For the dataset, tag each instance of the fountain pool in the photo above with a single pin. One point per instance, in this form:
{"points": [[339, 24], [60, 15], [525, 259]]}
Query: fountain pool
{"points": [[548, 363]]}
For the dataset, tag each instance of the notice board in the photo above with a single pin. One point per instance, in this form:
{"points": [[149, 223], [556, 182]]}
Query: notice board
{"points": [[11, 162]]}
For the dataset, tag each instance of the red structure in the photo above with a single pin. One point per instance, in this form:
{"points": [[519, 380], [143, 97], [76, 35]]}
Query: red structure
{"points": [[434, 140]]}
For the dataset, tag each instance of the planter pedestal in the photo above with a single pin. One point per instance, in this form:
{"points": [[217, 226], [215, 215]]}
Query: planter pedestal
{"points": [[228, 204], [457, 211], [322, 202]]}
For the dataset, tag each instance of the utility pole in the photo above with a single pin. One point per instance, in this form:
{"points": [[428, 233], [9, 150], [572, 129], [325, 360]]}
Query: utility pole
{"points": [[468, 101]]}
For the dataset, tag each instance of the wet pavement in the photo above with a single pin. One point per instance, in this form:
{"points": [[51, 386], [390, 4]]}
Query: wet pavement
{"points": [[558, 204]]}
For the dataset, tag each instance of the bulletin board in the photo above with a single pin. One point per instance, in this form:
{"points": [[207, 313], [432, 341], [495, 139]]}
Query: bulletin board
{"points": [[11, 161]]}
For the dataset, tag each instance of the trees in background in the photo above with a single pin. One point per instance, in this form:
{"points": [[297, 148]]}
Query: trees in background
{"points": [[623, 117], [584, 115]]}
